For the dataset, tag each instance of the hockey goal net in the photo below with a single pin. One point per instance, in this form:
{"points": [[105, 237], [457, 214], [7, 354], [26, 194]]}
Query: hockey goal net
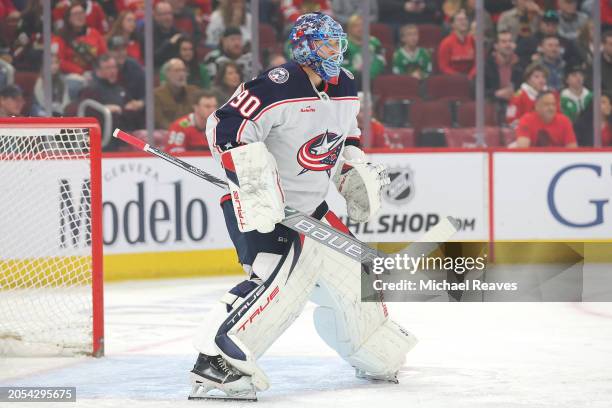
{"points": [[50, 237]]}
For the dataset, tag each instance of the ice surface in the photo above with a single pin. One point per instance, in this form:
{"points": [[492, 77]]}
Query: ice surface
{"points": [[470, 355]]}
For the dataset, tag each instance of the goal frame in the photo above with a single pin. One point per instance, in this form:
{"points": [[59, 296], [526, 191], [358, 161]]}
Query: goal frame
{"points": [[95, 160]]}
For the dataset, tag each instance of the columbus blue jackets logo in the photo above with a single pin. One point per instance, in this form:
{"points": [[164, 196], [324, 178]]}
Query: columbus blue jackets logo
{"points": [[320, 153], [401, 189], [279, 75]]}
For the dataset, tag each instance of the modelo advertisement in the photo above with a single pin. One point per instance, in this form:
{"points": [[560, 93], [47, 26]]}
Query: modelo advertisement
{"points": [[553, 196], [149, 205]]}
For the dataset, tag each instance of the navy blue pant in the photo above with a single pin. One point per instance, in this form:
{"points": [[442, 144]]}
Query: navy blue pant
{"points": [[249, 244]]}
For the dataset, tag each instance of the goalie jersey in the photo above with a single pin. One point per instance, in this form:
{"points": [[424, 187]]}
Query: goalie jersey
{"points": [[303, 128]]}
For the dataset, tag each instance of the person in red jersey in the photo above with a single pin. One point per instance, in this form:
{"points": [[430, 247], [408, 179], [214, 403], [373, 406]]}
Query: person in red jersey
{"points": [[77, 45], [188, 132], [523, 101], [545, 127], [457, 52]]}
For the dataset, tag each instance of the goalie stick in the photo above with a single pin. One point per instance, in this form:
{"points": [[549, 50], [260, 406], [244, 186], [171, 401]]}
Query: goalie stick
{"points": [[298, 221]]}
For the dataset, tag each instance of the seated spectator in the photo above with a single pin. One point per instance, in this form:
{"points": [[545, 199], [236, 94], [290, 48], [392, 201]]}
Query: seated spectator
{"points": [[174, 98], [125, 27], [165, 35], [451, 7], [344, 9], [77, 47], [528, 50], [410, 11], [135, 6], [550, 58], [457, 52], [8, 10], [185, 20], [229, 13], [502, 69], [585, 43], [59, 92], [189, 132], [522, 20], [523, 101], [292, 9], [131, 73], [230, 49], [583, 127], [95, 16], [353, 60], [545, 127], [28, 48], [226, 82], [128, 112], [575, 98], [409, 58], [11, 101], [571, 20], [7, 71], [197, 74]]}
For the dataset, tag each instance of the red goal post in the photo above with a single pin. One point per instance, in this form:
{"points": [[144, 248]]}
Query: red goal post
{"points": [[51, 278]]}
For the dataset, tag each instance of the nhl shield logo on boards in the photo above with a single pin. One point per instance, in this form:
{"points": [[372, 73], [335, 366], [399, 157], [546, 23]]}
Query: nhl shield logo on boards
{"points": [[401, 189], [279, 75]]}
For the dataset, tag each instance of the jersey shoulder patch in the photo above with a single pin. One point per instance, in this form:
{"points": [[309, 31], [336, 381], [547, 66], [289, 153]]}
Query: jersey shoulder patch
{"points": [[278, 75]]}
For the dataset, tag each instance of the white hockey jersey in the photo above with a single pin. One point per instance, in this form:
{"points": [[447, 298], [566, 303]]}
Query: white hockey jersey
{"points": [[304, 129]]}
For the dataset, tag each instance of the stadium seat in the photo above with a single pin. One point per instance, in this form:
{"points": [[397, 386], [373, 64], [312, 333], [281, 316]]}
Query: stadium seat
{"points": [[466, 114], [430, 114], [396, 87], [383, 32], [395, 112], [396, 138], [430, 35], [450, 87], [466, 137]]}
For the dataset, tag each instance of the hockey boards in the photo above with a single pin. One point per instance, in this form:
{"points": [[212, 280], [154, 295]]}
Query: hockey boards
{"points": [[302, 223]]}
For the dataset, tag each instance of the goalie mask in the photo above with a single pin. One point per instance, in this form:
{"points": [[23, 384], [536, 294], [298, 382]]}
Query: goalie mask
{"points": [[318, 42]]}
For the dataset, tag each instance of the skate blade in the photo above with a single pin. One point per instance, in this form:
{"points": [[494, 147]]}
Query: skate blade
{"points": [[376, 378], [201, 392]]}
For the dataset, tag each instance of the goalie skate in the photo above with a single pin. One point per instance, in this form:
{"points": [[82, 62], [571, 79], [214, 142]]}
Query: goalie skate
{"points": [[213, 378], [392, 378]]}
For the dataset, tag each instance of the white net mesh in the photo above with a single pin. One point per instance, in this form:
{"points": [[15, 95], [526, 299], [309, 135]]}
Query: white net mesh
{"points": [[45, 242]]}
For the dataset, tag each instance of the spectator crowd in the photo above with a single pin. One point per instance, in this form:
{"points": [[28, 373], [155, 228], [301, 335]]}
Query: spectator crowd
{"points": [[538, 64]]}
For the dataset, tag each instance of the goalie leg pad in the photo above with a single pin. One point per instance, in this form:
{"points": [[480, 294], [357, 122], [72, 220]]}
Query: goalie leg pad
{"points": [[360, 332]]}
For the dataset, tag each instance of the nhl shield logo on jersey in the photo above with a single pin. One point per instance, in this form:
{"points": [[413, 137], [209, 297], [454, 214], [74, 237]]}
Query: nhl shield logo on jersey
{"points": [[401, 189], [279, 75], [320, 153]]}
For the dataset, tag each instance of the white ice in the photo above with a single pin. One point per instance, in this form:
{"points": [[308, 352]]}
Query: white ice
{"points": [[470, 355]]}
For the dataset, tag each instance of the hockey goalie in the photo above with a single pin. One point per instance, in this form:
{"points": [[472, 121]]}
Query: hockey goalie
{"points": [[281, 139]]}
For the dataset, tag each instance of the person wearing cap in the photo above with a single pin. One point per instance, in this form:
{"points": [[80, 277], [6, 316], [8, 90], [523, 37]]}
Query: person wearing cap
{"points": [[528, 48], [521, 20], [545, 127], [11, 101], [230, 48], [131, 73], [571, 20], [576, 97]]}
